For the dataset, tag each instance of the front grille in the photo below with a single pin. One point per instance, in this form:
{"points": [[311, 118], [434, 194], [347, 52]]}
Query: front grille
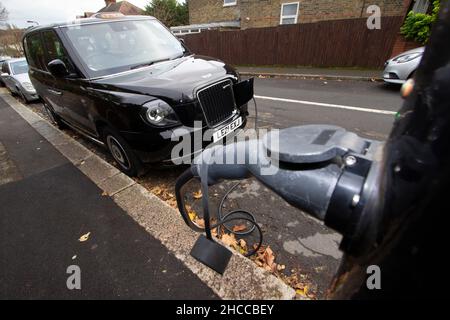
{"points": [[393, 75], [217, 102]]}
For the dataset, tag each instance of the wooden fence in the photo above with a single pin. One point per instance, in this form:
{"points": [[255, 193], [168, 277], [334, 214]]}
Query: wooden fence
{"points": [[339, 43]]}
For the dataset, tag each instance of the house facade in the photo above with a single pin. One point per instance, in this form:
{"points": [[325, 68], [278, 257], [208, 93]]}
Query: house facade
{"points": [[269, 13]]}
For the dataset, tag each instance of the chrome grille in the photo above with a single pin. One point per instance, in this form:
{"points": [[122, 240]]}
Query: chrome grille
{"points": [[217, 102]]}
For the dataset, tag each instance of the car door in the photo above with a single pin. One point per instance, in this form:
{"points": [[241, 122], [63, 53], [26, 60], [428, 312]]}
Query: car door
{"points": [[2, 63], [71, 91], [41, 79], [6, 76]]}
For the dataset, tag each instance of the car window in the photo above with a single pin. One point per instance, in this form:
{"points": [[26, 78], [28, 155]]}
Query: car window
{"points": [[35, 51], [5, 67], [55, 49], [19, 67], [111, 47]]}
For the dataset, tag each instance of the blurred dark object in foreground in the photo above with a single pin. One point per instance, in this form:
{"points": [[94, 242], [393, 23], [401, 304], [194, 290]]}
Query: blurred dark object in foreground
{"points": [[416, 182]]}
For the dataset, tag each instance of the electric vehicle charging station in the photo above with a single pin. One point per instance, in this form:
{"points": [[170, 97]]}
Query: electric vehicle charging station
{"points": [[321, 169]]}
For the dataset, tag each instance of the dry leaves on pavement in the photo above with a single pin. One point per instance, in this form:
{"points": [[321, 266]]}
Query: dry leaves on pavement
{"points": [[84, 237], [264, 258], [300, 283], [163, 193], [197, 194]]}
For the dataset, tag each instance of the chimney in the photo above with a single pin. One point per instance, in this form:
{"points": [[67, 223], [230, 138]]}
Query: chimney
{"points": [[108, 2]]}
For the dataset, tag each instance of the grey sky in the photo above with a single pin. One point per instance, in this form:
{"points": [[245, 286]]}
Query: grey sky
{"points": [[48, 11]]}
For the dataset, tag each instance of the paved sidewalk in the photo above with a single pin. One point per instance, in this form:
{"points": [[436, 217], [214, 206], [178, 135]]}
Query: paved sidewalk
{"points": [[314, 73], [47, 204]]}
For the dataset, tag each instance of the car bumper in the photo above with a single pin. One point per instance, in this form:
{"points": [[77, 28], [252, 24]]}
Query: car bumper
{"points": [[30, 95], [152, 147], [395, 81], [399, 72]]}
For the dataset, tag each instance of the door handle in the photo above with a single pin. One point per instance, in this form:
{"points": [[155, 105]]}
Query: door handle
{"points": [[55, 92]]}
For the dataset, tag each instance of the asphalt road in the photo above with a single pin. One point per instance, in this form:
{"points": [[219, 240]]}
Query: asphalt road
{"points": [[302, 244], [377, 102]]}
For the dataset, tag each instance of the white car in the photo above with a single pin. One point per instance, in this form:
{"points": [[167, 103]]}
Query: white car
{"points": [[402, 67], [15, 77]]}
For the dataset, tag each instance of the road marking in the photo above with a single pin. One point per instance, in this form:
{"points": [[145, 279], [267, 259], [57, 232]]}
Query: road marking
{"points": [[328, 105]]}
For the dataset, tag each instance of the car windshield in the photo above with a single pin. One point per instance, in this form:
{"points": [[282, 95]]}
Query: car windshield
{"points": [[117, 46], [19, 67]]}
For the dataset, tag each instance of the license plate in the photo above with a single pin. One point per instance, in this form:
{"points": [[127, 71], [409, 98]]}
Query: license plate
{"points": [[226, 130]]}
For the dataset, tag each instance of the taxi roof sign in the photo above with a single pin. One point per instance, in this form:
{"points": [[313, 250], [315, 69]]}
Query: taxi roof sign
{"points": [[108, 15]]}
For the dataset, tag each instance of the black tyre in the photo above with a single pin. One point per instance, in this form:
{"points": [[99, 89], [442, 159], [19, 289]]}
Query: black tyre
{"points": [[22, 97], [54, 117], [126, 159]]}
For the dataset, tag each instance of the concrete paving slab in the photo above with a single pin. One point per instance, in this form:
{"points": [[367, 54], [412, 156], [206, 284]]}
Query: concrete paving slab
{"points": [[94, 167], [115, 184]]}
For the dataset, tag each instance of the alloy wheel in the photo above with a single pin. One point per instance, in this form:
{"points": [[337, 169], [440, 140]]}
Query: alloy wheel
{"points": [[118, 152]]}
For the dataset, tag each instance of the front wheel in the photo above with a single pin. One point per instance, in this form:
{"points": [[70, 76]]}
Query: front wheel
{"points": [[127, 160], [54, 118], [23, 98]]}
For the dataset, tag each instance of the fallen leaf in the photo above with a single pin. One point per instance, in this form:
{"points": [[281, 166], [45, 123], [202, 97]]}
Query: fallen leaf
{"points": [[239, 228], [84, 237], [269, 257], [230, 240], [242, 243], [156, 190], [198, 194], [200, 222], [242, 246], [172, 203], [192, 215], [104, 194], [301, 292]]}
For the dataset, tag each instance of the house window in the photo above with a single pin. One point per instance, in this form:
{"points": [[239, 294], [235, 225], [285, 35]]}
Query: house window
{"points": [[421, 6], [227, 3], [289, 13]]}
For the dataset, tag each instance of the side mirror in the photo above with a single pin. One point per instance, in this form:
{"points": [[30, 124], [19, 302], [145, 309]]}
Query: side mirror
{"points": [[58, 68]]}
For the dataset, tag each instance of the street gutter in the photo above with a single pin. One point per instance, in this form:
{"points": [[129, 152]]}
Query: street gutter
{"points": [[309, 76]]}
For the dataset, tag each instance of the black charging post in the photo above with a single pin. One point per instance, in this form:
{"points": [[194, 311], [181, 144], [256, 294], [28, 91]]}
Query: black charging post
{"points": [[206, 250]]}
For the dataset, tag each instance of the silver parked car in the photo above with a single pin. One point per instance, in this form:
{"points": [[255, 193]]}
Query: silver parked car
{"points": [[402, 67], [15, 77], [3, 59]]}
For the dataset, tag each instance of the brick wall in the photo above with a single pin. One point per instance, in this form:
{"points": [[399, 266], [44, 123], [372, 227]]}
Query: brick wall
{"points": [[205, 11], [266, 13], [401, 45]]}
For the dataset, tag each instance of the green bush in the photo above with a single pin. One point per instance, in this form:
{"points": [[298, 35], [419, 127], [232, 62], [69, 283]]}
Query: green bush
{"points": [[417, 26]]}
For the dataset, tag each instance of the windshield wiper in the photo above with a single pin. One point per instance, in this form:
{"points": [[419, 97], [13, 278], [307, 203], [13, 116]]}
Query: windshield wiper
{"points": [[184, 54], [146, 64]]}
